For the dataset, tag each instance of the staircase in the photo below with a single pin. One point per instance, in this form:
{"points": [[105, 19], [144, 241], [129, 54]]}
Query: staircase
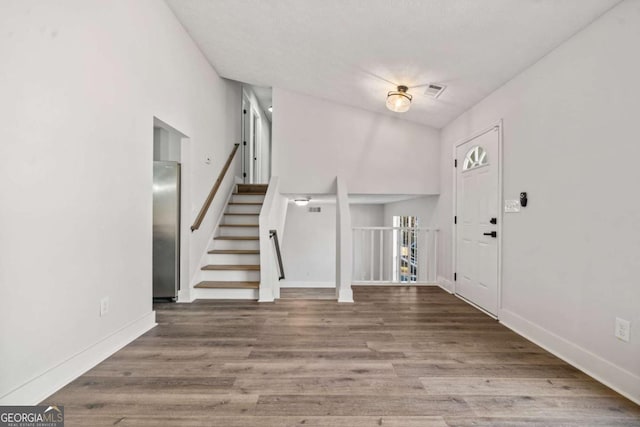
{"points": [[233, 259]]}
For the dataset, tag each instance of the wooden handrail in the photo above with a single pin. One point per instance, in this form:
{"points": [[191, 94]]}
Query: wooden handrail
{"points": [[214, 190]]}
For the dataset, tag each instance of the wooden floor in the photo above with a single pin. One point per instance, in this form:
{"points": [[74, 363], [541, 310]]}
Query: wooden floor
{"points": [[399, 356]]}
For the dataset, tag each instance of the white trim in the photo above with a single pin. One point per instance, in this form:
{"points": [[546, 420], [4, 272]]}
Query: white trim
{"points": [[302, 284], [377, 283], [445, 284], [454, 262], [476, 306], [345, 295], [225, 293], [619, 379], [45, 384]]}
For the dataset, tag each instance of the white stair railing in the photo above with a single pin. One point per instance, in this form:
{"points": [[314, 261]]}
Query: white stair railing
{"points": [[395, 255]]}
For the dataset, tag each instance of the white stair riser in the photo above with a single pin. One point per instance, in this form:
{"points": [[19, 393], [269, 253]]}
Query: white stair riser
{"points": [[230, 275], [239, 231], [236, 244], [247, 198], [249, 294], [240, 219], [244, 209], [233, 259]]}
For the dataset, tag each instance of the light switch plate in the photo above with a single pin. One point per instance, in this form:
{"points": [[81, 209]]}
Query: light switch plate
{"points": [[512, 206]]}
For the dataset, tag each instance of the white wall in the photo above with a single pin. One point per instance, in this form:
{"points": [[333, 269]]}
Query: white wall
{"points": [[422, 207], [167, 145], [367, 215], [309, 245], [81, 82], [315, 140], [571, 141]]}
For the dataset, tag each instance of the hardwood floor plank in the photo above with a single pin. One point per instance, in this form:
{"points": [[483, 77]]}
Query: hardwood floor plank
{"points": [[363, 354], [160, 403], [422, 369], [330, 386], [473, 386], [297, 369], [381, 405], [557, 406]]}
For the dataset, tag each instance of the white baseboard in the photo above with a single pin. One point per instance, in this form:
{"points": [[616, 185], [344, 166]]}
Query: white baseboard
{"points": [[345, 295], [201, 293], [37, 389], [613, 376], [184, 295], [299, 284], [363, 283], [445, 284]]}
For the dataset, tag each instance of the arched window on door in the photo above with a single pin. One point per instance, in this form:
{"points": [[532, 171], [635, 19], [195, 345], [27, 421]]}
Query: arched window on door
{"points": [[476, 157]]}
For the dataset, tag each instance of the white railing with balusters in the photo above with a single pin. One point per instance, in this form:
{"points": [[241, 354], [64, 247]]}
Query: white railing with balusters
{"points": [[395, 255]]}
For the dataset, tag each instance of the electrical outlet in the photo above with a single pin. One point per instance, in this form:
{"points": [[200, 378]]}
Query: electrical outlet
{"points": [[104, 306], [623, 329]]}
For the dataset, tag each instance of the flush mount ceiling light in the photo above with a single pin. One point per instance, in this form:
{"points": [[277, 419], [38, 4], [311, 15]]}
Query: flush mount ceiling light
{"points": [[270, 108], [399, 100], [301, 202]]}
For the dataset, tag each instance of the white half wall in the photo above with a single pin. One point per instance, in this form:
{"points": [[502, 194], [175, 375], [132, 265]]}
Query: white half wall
{"points": [[570, 257], [315, 140], [81, 82]]}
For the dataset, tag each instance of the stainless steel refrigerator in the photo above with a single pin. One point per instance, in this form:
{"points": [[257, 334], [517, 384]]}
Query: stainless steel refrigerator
{"points": [[166, 229]]}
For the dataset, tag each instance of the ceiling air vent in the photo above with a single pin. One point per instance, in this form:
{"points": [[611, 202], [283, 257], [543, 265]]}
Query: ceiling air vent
{"points": [[314, 209], [434, 90]]}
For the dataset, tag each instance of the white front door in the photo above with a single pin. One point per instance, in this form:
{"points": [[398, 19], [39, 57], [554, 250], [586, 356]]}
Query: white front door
{"points": [[477, 208]]}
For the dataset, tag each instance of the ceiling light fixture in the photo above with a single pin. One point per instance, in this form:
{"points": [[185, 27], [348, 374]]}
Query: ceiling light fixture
{"points": [[301, 202], [270, 108], [399, 100]]}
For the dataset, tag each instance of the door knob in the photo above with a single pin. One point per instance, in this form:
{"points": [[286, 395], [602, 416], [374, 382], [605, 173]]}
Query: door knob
{"points": [[493, 234]]}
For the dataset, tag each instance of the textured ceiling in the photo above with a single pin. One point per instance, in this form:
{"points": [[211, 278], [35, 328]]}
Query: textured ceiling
{"points": [[354, 51]]}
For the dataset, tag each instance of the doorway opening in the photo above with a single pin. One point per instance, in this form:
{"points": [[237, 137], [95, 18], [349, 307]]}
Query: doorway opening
{"points": [[170, 204], [256, 134]]}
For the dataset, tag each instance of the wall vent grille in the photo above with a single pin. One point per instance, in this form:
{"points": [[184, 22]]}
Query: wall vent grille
{"points": [[314, 209]]}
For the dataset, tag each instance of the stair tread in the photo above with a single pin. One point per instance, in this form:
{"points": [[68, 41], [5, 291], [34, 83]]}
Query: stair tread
{"points": [[248, 267], [243, 214], [252, 188], [235, 251], [236, 238], [245, 203], [210, 284], [238, 225], [249, 193]]}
